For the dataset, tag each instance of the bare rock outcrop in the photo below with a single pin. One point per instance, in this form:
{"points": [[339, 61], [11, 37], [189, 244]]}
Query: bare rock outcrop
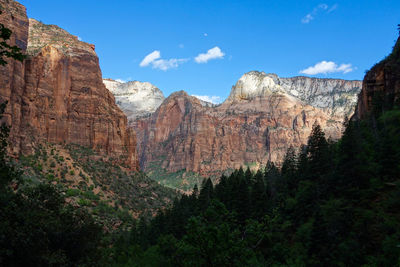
{"points": [[136, 99], [260, 120], [381, 86], [57, 94]]}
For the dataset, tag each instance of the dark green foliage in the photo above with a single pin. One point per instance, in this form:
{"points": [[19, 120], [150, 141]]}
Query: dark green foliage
{"points": [[37, 228], [331, 204]]}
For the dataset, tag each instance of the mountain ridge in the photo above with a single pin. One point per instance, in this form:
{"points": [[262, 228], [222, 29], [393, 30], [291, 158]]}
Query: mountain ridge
{"points": [[253, 126]]}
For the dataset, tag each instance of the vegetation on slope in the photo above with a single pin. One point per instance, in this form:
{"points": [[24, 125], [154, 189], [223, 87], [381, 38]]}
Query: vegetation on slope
{"points": [[329, 205], [114, 194]]}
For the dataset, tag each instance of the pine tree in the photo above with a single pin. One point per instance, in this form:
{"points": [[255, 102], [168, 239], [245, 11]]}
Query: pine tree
{"points": [[288, 182], [259, 198], [206, 194]]}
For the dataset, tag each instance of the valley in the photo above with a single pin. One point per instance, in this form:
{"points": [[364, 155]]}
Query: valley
{"points": [[286, 171]]}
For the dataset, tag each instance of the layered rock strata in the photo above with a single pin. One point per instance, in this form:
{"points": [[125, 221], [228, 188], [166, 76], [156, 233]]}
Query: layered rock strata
{"points": [[263, 116], [57, 94]]}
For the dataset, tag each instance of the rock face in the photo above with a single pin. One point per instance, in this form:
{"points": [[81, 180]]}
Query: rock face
{"points": [[381, 86], [136, 99], [334, 96], [57, 95], [263, 116]]}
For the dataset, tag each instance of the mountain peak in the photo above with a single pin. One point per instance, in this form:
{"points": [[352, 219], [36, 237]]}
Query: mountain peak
{"points": [[41, 35], [136, 99], [337, 95], [254, 84]]}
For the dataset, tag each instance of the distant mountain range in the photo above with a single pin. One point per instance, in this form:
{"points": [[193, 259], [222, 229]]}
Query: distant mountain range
{"points": [[181, 138]]}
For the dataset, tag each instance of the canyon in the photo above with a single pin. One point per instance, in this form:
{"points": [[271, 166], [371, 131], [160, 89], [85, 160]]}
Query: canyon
{"points": [[263, 116], [57, 94]]}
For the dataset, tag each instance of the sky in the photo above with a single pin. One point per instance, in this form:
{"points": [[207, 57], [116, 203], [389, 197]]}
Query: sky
{"points": [[205, 46]]}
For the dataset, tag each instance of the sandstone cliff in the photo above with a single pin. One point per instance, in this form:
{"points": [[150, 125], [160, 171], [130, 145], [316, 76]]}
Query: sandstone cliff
{"points": [[57, 95], [263, 116], [136, 99], [381, 86], [334, 96]]}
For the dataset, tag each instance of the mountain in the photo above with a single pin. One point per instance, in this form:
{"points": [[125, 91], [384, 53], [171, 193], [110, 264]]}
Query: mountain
{"points": [[334, 96], [381, 86], [66, 128], [57, 94], [263, 116], [331, 203], [136, 99]]}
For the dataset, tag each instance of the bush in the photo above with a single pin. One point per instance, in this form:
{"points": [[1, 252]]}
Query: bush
{"points": [[72, 192]]}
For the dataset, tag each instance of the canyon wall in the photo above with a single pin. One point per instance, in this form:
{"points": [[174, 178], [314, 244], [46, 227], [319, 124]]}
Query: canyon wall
{"points": [[381, 86], [57, 94], [263, 116]]}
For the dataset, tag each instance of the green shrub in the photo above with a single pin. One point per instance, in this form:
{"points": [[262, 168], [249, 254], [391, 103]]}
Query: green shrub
{"points": [[72, 192], [50, 177], [84, 202]]}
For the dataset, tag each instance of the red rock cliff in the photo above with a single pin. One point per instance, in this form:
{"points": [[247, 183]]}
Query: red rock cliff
{"points": [[381, 86], [57, 95], [183, 134]]}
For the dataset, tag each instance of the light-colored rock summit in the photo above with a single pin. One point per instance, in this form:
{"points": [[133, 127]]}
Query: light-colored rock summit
{"points": [[263, 116], [335, 96], [136, 99]]}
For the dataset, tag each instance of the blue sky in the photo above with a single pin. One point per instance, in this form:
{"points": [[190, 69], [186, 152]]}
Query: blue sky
{"points": [[204, 47]]}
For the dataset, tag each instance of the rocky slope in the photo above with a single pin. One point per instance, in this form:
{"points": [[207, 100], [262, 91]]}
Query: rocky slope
{"points": [[57, 95], [262, 117], [381, 86], [136, 99]]}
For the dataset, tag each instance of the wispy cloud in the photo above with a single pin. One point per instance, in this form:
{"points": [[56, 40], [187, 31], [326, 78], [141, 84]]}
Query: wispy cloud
{"points": [[205, 34], [334, 7], [213, 53], [212, 99], [321, 7], [154, 59], [325, 67]]}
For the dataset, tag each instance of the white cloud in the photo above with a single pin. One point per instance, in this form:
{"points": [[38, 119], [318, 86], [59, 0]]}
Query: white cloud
{"points": [[154, 58], [79, 38], [212, 99], [212, 53], [321, 7], [150, 58], [165, 64], [325, 67], [205, 34], [120, 81]]}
